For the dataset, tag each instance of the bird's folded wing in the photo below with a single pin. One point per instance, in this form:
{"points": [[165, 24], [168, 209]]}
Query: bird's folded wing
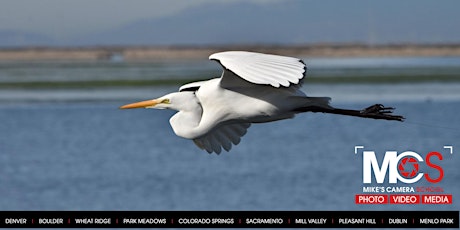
{"points": [[257, 68], [222, 137]]}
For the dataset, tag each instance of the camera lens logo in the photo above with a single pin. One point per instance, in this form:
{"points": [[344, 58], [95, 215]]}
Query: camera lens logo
{"points": [[408, 167]]}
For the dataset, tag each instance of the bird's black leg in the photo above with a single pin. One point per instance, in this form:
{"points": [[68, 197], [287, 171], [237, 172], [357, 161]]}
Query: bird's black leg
{"points": [[376, 111]]}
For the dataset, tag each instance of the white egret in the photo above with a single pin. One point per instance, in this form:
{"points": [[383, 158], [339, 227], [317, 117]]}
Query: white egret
{"points": [[254, 88]]}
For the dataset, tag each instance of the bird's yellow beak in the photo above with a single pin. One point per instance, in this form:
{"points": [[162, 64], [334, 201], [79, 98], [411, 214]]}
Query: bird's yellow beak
{"points": [[141, 104]]}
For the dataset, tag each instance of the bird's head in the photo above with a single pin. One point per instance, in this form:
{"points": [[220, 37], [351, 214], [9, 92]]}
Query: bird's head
{"points": [[177, 101]]}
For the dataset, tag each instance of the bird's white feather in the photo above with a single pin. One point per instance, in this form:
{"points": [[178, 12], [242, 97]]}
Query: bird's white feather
{"points": [[257, 68], [222, 137]]}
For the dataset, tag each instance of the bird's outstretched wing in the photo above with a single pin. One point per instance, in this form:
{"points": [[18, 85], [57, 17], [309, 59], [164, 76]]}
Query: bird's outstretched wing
{"points": [[222, 137], [257, 68]]}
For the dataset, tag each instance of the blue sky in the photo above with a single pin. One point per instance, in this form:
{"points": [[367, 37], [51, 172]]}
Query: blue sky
{"points": [[67, 18], [369, 21]]}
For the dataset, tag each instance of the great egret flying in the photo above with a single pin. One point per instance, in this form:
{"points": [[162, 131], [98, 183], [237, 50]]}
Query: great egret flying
{"points": [[253, 88]]}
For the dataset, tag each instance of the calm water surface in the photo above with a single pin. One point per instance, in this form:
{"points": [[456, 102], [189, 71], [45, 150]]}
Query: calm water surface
{"points": [[197, 69], [92, 156]]}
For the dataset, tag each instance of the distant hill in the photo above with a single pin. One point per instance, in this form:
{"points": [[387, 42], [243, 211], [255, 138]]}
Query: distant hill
{"points": [[236, 23], [209, 24], [279, 23], [292, 22]]}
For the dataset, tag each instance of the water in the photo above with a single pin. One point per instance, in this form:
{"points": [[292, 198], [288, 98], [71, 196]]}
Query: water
{"points": [[383, 66], [104, 71], [91, 156], [74, 150], [197, 69]]}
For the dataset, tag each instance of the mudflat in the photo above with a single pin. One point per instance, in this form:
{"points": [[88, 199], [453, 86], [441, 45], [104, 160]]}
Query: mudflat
{"points": [[155, 53]]}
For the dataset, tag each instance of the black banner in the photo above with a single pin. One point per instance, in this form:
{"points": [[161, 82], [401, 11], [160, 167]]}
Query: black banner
{"points": [[229, 219]]}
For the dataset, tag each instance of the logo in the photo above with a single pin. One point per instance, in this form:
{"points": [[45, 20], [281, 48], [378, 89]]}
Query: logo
{"points": [[408, 167], [402, 171], [404, 167]]}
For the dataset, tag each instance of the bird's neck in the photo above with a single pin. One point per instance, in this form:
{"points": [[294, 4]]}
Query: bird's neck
{"points": [[188, 124]]}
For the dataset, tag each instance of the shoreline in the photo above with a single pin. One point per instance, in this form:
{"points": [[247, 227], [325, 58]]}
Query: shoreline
{"points": [[158, 53]]}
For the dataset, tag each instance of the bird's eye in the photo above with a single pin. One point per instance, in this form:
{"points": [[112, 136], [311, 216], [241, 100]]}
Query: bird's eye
{"points": [[165, 101]]}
